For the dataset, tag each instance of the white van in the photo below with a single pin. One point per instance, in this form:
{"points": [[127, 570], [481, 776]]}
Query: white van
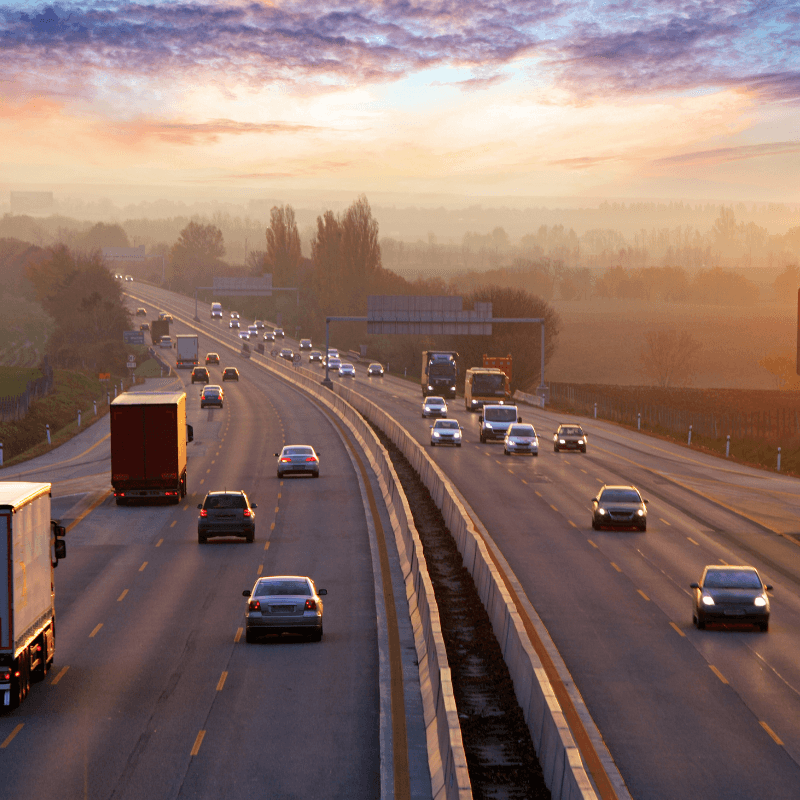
{"points": [[216, 311], [495, 420]]}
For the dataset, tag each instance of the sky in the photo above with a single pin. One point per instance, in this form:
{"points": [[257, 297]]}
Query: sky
{"points": [[683, 99]]}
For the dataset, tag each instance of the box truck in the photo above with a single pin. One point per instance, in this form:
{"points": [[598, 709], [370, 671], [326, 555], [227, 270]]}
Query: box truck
{"points": [[439, 373], [31, 546], [187, 350], [149, 434]]}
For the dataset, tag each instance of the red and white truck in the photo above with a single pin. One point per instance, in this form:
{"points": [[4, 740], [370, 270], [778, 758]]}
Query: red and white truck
{"points": [[31, 546], [148, 446]]}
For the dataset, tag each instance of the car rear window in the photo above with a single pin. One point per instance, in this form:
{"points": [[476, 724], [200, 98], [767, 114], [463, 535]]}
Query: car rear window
{"points": [[284, 587], [732, 579], [297, 451], [225, 501], [210, 392]]}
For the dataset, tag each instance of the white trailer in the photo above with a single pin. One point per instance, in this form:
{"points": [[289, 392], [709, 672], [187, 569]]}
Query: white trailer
{"points": [[187, 350], [30, 548]]}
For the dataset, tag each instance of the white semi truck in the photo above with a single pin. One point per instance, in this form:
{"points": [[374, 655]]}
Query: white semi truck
{"points": [[31, 546], [186, 350]]}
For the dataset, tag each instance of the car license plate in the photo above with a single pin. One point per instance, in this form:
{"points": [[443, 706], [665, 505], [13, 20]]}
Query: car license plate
{"points": [[734, 612], [279, 609]]}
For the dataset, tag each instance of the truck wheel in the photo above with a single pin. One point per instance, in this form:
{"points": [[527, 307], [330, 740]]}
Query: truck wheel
{"points": [[483, 439], [40, 670], [251, 537], [202, 539], [122, 501]]}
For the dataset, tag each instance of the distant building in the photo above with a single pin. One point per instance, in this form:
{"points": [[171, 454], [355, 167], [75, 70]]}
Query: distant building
{"points": [[124, 254], [32, 203]]}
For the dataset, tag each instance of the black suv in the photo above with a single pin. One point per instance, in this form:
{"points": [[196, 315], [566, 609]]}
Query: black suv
{"points": [[226, 514], [200, 374]]}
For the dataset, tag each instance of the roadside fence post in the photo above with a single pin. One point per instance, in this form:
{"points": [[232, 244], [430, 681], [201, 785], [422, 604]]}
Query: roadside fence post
{"points": [[405, 372], [690, 435], [779, 459], [108, 397], [115, 390], [47, 427], [79, 418], [728, 446], [595, 410], [1, 454], [95, 407], [639, 421]]}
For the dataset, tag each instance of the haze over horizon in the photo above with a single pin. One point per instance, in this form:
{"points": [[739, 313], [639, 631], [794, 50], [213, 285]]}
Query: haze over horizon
{"points": [[630, 99]]}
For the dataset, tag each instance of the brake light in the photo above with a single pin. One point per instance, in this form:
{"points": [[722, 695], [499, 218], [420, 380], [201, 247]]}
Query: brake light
{"points": [[203, 513], [6, 676], [247, 512], [311, 458], [254, 605], [286, 459], [311, 605]]}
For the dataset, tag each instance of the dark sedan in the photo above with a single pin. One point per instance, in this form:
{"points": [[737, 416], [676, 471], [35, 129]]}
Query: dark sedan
{"points": [[287, 353], [212, 396], [731, 595], [226, 514], [230, 374], [375, 369], [619, 507], [569, 437]]}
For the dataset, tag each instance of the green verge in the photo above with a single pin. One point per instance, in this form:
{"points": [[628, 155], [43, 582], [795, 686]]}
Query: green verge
{"points": [[14, 380]]}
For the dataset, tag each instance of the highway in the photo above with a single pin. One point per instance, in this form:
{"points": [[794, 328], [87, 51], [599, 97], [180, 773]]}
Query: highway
{"points": [[684, 713], [154, 692]]}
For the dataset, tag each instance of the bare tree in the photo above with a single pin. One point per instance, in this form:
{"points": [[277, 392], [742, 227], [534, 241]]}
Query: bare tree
{"points": [[670, 357], [283, 246]]}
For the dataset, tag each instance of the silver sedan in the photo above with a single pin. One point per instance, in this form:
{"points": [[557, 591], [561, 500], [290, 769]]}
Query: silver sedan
{"points": [[521, 439], [284, 604], [434, 407], [298, 459]]}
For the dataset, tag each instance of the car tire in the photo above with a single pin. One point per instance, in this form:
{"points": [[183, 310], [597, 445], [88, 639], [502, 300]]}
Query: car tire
{"points": [[764, 626], [250, 636], [433, 444], [122, 501], [643, 528], [250, 537], [458, 444], [316, 636], [701, 623], [505, 452], [555, 448], [279, 474], [583, 449], [202, 539], [595, 526], [483, 439]]}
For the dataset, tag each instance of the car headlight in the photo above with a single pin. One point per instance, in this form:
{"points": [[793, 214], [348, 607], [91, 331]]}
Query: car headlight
{"points": [[580, 441], [430, 388], [562, 441], [708, 600], [760, 601], [640, 512], [435, 433], [601, 511], [488, 425]]}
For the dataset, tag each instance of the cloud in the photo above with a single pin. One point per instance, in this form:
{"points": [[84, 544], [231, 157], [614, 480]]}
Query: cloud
{"points": [[584, 162], [724, 154]]}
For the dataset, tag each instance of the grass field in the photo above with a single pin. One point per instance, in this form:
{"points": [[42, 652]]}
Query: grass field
{"points": [[600, 341], [13, 380], [24, 330]]}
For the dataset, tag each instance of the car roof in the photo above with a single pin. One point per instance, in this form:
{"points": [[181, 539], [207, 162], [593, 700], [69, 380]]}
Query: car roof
{"points": [[226, 491], [730, 567]]}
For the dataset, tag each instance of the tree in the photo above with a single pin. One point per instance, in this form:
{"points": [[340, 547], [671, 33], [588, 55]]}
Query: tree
{"points": [[283, 246], [787, 284], [783, 369], [196, 254], [670, 357], [103, 235], [361, 252]]}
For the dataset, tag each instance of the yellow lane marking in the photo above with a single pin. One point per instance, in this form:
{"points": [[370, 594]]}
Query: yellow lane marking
{"points": [[158, 543], [615, 567], [272, 526], [643, 595], [222, 681], [88, 511], [537, 493], [677, 630], [281, 483], [693, 541], [592, 543], [723, 561], [761, 722], [207, 471], [94, 632], [202, 481], [141, 569], [197, 742], [173, 523], [524, 481], [276, 509], [11, 735], [718, 673], [572, 523], [122, 596], [266, 545], [185, 508], [213, 461], [583, 470], [59, 676], [238, 635], [664, 521], [260, 569], [553, 507]]}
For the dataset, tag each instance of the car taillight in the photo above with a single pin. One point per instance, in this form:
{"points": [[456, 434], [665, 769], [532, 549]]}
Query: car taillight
{"points": [[247, 512], [286, 459], [311, 605], [203, 512], [254, 605], [311, 458], [5, 676]]}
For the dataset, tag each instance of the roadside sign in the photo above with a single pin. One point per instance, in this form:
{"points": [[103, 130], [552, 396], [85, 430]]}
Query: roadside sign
{"points": [[104, 376], [133, 337], [131, 363]]}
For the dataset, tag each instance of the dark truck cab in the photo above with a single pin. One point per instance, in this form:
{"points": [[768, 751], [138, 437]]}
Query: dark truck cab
{"points": [[439, 373]]}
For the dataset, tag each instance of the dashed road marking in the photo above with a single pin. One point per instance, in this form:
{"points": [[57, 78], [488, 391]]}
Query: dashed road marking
{"points": [[677, 630], [615, 567], [158, 543], [221, 681], [141, 569], [197, 742], [122, 596], [643, 595], [60, 675], [94, 632], [763, 724], [718, 673], [238, 635], [693, 541], [11, 735]]}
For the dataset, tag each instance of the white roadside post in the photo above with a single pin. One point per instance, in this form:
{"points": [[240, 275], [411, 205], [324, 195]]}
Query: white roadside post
{"points": [[95, 407], [639, 421], [79, 418], [779, 459], [47, 427], [595, 410], [728, 446], [690, 435]]}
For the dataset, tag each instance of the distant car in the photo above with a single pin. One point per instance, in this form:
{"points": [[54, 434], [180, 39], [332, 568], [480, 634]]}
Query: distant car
{"points": [[141, 312], [298, 459], [234, 315], [521, 439], [569, 437], [200, 374], [283, 604], [165, 316], [446, 431], [279, 333], [118, 277], [619, 507], [230, 374], [253, 331], [334, 363], [333, 352], [731, 594], [165, 341], [287, 353], [212, 358], [212, 395], [305, 344], [259, 323], [226, 514], [245, 335], [129, 278], [145, 326], [234, 323], [347, 370], [434, 407], [269, 336], [315, 355], [375, 369]]}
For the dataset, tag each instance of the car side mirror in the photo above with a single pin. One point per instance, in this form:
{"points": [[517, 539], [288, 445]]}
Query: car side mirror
{"points": [[277, 455], [519, 419], [253, 505], [768, 588], [322, 592], [189, 433], [199, 505], [246, 593], [480, 418], [645, 502], [694, 585]]}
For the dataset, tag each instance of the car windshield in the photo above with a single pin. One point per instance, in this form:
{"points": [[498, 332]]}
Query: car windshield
{"points": [[571, 432], [732, 579], [446, 423], [620, 496], [434, 401], [225, 501], [489, 384], [283, 587], [500, 414], [521, 430], [297, 451]]}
